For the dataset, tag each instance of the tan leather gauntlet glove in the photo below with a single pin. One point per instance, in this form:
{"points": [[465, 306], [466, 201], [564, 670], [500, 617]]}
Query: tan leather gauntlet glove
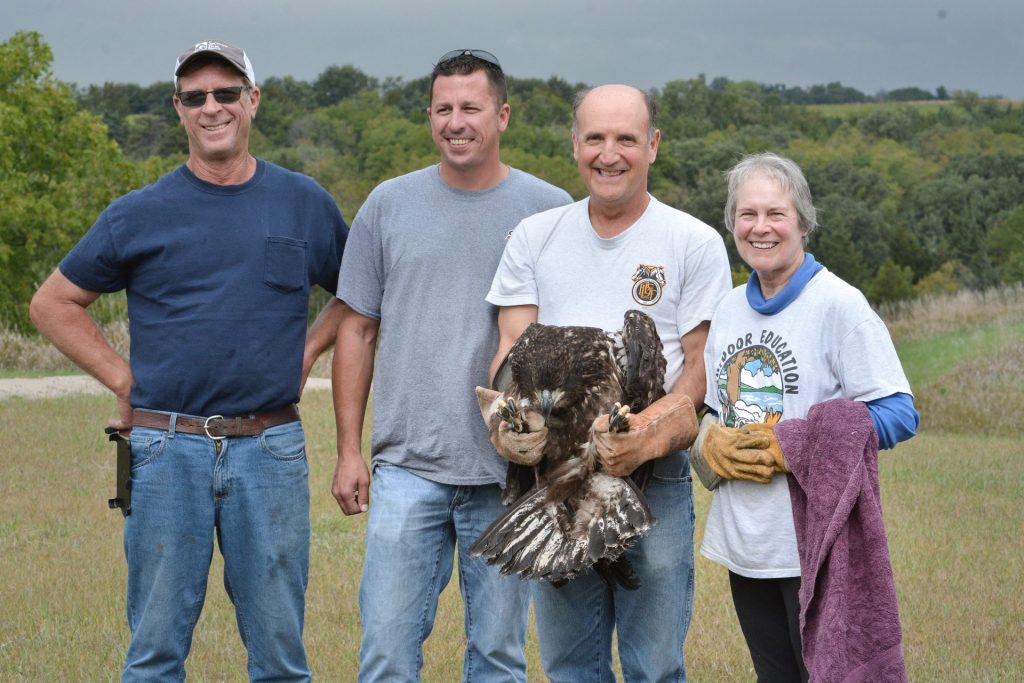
{"points": [[734, 454], [773, 448], [667, 425], [698, 463], [522, 448]]}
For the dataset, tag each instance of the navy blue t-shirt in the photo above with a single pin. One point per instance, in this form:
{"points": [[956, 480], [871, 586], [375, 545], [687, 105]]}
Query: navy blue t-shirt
{"points": [[218, 281]]}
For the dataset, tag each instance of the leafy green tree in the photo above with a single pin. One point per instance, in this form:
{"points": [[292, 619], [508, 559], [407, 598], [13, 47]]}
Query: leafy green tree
{"points": [[951, 215], [58, 170], [283, 100], [1005, 244], [909, 187], [409, 97], [834, 247], [843, 177], [148, 135], [896, 124], [337, 83], [542, 108], [906, 250], [909, 95], [126, 107], [945, 280], [892, 283], [1013, 269]]}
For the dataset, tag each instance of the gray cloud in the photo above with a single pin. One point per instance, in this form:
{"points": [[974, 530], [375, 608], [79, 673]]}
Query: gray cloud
{"points": [[871, 45]]}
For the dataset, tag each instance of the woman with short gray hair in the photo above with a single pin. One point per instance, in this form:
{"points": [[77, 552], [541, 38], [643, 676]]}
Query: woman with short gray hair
{"points": [[796, 358]]}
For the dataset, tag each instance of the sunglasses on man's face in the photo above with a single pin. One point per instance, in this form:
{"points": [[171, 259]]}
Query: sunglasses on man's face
{"points": [[197, 98], [479, 54]]}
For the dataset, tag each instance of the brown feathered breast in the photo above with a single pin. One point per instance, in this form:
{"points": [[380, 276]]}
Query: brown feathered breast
{"points": [[574, 515]]}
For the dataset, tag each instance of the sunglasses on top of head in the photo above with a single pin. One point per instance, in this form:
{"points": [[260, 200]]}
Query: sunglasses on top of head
{"points": [[479, 54], [197, 98]]}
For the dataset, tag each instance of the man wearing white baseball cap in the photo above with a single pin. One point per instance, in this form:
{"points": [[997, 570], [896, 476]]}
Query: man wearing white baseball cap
{"points": [[218, 258], [216, 49]]}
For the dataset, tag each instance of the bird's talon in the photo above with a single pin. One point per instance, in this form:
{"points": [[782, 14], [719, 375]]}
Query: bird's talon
{"points": [[508, 412], [618, 420]]}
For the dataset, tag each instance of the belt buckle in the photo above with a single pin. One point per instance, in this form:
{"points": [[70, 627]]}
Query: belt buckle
{"points": [[206, 428]]}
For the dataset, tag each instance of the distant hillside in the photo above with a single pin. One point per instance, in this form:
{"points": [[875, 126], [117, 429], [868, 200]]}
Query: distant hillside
{"points": [[914, 199]]}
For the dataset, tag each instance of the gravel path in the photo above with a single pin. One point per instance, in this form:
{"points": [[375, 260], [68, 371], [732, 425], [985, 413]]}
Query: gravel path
{"points": [[50, 387]]}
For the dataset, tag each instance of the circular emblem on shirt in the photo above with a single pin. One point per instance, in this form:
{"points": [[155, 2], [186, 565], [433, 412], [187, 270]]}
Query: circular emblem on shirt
{"points": [[648, 284]]}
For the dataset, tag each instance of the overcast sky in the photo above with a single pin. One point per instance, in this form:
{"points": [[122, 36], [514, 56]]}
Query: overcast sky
{"points": [[870, 45]]}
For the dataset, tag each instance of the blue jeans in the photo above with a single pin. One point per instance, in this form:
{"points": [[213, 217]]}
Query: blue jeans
{"points": [[575, 622], [255, 496], [414, 528]]}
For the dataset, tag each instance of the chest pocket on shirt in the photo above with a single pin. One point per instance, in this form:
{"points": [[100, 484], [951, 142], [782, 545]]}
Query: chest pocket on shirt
{"points": [[285, 268]]}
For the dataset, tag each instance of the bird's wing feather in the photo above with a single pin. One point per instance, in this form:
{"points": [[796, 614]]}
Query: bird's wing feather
{"points": [[539, 540], [577, 516]]}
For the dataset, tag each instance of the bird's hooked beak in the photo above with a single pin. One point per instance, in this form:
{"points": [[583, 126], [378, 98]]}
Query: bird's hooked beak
{"points": [[547, 402]]}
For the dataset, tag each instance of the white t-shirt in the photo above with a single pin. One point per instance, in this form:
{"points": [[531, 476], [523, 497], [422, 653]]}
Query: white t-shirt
{"points": [[826, 344], [667, 264]]}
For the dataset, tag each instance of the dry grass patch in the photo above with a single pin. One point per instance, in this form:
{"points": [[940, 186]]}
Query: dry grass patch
{"points": [[930, 317], [952, 507], [978, 396]]}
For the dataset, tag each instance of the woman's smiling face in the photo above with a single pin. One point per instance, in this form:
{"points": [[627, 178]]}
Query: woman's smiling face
{"points": [[768, 234]]}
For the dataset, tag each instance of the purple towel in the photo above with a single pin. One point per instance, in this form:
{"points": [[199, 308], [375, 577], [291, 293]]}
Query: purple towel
{"points": [[849, 620]]}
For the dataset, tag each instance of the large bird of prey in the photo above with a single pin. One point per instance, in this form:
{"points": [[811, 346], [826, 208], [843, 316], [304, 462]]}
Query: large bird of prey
{"points": [[573, 515]]}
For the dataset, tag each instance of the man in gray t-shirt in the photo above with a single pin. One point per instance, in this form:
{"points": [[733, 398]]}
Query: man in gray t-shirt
{"points": [[419, 260]]}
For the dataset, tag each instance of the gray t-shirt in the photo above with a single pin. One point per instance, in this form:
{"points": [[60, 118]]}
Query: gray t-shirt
{"points": [[420, 258]]}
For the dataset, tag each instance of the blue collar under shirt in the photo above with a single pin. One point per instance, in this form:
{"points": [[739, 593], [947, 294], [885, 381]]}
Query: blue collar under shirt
{"points": [[808, 269]]}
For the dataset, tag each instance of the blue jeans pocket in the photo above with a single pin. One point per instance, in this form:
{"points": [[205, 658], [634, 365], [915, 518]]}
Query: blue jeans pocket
{"points": [[285, 442], [285, 267], [146, 445]]}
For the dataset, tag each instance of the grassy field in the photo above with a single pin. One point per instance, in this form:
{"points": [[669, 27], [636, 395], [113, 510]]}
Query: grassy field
{"points": [[859, 109], [952, 499]]}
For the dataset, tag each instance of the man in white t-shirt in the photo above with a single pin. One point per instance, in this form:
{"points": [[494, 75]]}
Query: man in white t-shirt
{"points": [[586, 264]]}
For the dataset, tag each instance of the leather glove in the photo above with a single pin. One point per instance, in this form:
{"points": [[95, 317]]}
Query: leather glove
{"points": [[698, 463], [773, 447], [735, 454], [522, 448], [667, 425]]}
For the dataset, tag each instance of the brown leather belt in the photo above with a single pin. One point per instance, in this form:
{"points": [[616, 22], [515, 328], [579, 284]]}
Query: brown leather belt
{"points": [[217, 426]]}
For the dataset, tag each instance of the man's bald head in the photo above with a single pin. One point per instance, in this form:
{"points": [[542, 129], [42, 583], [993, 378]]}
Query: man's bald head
{"points": [[618, 91]]}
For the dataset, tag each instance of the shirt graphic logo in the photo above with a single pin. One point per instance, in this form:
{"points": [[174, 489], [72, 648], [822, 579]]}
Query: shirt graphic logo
{"points": [[648, 284], [753, 375], [750, 387]]}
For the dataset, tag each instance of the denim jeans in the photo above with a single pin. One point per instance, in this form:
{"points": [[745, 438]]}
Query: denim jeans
{"points": [[414, 528], [575, 622], [254, 495]]}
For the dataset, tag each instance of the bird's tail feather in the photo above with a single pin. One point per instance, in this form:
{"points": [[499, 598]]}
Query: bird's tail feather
{"points": [[618, 573], [555, 542]]}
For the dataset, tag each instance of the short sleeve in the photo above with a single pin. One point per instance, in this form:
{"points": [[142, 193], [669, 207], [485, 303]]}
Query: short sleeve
{"points": [[868, 365], [361, 279], [95, 264], [708, 280], [336, 239], [515, 282]]}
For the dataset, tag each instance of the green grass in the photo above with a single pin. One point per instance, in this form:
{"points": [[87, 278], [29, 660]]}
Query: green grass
{"points": [[964, 357], [925, 360], [859, 109], [954, 530], [951, 497]]}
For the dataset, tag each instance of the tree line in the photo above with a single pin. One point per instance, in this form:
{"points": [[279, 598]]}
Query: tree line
{"points": [[914, 198]]}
